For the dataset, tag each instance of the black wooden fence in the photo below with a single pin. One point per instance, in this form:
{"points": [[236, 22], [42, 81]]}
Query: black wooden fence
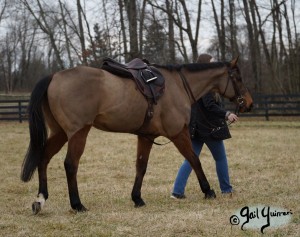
{"points": [[271, 105], [13, 110], [264, 106]]}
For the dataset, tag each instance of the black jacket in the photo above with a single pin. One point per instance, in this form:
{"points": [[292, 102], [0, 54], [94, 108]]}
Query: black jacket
{"points": [[208, 114]]}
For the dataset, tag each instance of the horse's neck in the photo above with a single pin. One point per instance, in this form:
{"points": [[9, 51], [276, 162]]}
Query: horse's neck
{"points": [[202, 82]]}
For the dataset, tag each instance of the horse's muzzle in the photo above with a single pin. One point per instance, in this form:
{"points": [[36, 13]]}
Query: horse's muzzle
{"points": [[244, 109], [249, 108]]}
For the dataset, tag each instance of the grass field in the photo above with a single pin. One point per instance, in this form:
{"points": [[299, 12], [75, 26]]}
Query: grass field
{"points": [[264, 169]]}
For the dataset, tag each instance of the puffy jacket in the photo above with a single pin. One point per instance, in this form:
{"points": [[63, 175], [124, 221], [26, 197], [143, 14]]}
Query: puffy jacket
{"points": [[206, 115]]}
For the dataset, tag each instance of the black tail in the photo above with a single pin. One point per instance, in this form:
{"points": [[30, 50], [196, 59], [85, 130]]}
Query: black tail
{"points": [[37, 129]]}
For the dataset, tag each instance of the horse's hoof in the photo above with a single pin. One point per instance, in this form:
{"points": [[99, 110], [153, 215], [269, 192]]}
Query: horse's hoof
{"points": [[79, 208], [36, 207], [139, 203], [210, 194]]}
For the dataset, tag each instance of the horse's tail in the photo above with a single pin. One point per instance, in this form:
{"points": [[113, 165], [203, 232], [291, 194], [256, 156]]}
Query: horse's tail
{"points": [[37, 129]]}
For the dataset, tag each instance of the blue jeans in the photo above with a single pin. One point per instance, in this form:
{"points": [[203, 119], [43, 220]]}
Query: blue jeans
{"points": [[217, 150]]}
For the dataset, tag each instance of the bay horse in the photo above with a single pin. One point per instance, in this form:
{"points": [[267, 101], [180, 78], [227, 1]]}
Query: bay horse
{"points": [[70, 102]]}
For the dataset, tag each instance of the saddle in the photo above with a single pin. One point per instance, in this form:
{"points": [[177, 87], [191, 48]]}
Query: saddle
{"points": [[148, 79]]}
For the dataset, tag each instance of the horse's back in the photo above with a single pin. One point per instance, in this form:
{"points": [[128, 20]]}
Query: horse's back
{"points": [[89, 96]]}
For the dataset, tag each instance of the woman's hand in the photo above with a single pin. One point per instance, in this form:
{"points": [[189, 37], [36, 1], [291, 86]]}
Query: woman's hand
{"points": [[232, 117]]}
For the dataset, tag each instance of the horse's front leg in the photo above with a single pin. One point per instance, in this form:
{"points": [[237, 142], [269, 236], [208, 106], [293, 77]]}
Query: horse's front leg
{"points": [[143, 150], [183, 143]]}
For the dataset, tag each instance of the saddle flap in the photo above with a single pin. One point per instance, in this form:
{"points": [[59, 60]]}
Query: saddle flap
{"points": [[150, 82]]}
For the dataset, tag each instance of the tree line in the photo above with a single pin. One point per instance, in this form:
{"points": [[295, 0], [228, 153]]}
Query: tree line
{"points": [[39, 37]]}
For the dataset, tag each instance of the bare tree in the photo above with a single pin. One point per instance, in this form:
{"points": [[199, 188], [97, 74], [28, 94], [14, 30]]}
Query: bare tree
{"points": [[180, 11], [81, 32], [141, 26], [44, 25], [131, 10], [123, 29], [3, 8], [171, 37], [220, 27], [233, 29], [17, 51], [271, 54], [251, 25], [8, 60], [255, 53], [291, 62], [71, 28], [66, 32]]}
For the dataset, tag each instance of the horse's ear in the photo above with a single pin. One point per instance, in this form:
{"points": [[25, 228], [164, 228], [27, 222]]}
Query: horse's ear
{"points": [[234, 62]]}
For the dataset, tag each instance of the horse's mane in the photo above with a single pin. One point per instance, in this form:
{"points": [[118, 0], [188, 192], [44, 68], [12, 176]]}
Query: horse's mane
{"points": [[193, 67]]}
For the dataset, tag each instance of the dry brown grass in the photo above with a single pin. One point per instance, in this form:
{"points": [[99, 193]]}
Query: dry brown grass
{"points": [[264, 168]]}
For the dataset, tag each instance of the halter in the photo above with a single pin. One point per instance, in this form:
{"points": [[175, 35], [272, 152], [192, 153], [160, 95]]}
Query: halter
{"points": [[238, 95]]}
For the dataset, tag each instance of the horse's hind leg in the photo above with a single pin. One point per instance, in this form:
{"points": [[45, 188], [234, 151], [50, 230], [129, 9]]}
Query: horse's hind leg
{"points": [[183, 143], [76, 147], [53, 145], [143, 151]]}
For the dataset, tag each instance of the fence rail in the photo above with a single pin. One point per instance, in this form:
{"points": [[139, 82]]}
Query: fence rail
{"points": [[264, 106], [271, 105], [13, 110]]}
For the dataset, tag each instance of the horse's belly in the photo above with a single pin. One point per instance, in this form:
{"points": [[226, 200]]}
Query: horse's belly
{"points": [[121, 120]]}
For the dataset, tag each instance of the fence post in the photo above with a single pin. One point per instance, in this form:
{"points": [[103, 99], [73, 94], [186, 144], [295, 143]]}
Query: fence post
{"points": [[266, 107], [20, 111]]}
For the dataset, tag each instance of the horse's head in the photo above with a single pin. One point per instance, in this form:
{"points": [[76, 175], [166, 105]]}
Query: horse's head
{"points": [[235, 90]]}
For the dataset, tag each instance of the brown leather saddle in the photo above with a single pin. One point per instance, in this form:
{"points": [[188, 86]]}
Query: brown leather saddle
{"points": [[148, 79]]}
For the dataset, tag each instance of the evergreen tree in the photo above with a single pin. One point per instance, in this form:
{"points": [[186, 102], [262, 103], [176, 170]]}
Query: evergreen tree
{"points": [[155, 44]]}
